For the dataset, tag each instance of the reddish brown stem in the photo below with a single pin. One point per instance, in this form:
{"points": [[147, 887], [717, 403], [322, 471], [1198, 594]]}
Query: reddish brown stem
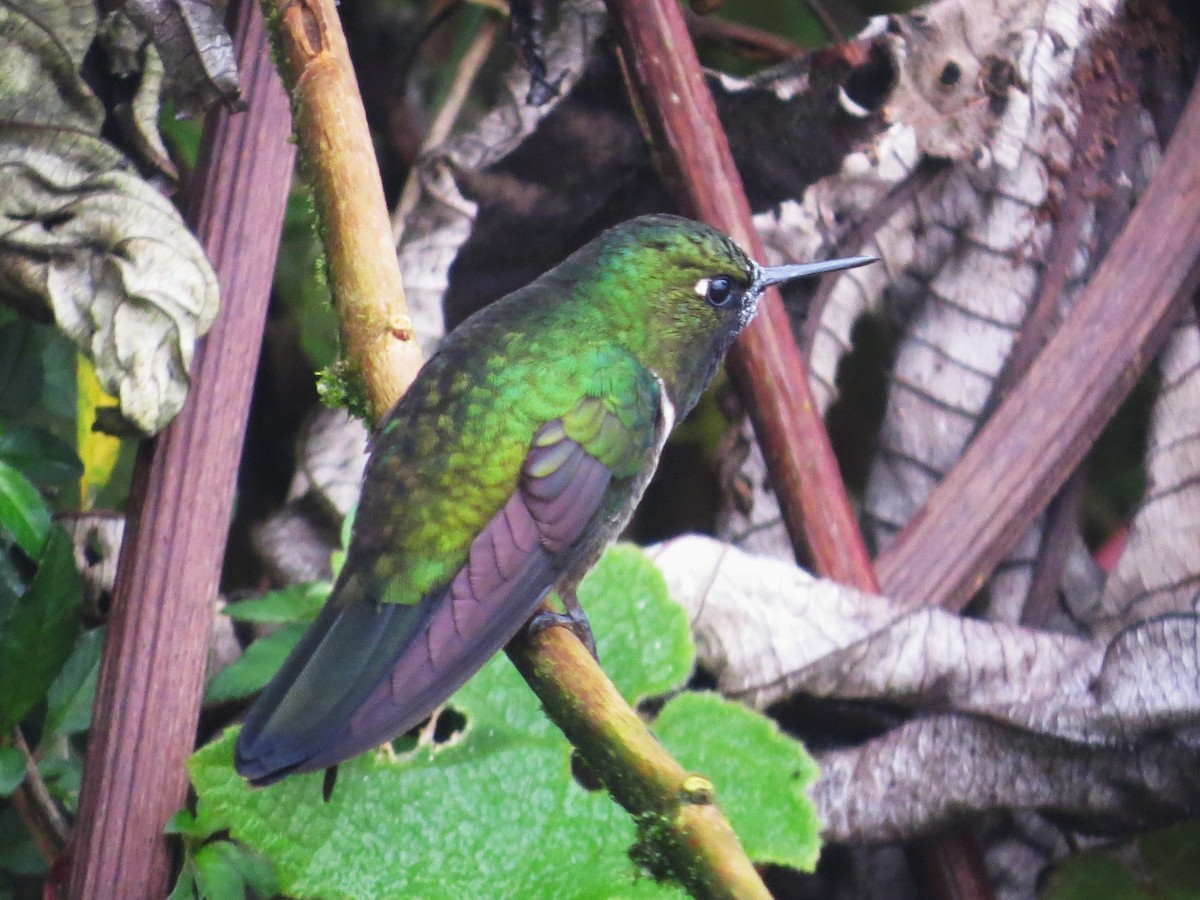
{"points": [[152, 671], [693, 153], [754, 43], [988, 500]]}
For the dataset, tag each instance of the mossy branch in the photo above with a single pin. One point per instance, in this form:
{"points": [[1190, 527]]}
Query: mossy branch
{"points": [[684, 834], [378, 344]]}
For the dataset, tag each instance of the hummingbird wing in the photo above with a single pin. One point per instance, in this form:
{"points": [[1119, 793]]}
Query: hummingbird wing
{"points": [[368, 671]]}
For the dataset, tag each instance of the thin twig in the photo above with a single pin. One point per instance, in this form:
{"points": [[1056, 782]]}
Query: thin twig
{"points": [[443, 123], [738, 37], [36, 807]]}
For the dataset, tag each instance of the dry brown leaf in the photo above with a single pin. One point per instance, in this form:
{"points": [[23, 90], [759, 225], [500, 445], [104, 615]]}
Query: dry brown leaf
{"points": [[82, 236], [1159, 570], [1037, 702]]}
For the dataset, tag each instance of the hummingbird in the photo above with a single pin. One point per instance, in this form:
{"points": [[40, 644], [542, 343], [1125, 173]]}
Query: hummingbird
{"points": [[517, 454]]}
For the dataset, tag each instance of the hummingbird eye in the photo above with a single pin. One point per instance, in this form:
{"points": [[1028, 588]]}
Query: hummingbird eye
{"points": [[718, 291]]}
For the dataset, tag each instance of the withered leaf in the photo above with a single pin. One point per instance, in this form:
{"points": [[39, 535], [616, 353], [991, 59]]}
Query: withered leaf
{"points": [[1005, 707], [82, 237]]}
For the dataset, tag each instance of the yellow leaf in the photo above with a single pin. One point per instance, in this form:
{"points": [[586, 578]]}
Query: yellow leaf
{"points": [[97, 451]]}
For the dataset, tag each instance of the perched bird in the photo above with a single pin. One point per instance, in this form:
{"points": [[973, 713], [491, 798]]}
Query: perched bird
{"points": [[516, 456]]}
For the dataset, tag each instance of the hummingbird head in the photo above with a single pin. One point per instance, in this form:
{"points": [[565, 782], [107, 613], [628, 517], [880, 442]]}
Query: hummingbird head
{"points": [[678, 292]]}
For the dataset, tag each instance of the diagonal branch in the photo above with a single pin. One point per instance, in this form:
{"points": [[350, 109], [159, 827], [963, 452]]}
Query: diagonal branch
{"points": [[339, 159], [994, 493], [691, 149]]}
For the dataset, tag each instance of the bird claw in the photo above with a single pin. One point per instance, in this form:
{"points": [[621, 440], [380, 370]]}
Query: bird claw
{"points": [[574, 619]]}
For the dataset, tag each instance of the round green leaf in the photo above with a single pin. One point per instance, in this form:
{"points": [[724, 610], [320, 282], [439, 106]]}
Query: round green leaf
{"points": [[762, 776], [495, 811]]}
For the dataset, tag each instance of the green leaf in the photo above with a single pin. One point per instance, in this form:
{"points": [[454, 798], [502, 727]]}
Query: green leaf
{"points": [[183, 134], [495, 811], [298, 603], [19, 855], [197, 826], [69, 702], [216, 878], [257, 872], [1170, 856], [1168, 870], [1091, 875], [23, 513], [183, 823], [254, 668], [213, 861], [12, 770], [21, 371], [649, 651], [767, 802], [58, 363], [40, 455], [489, 817], [39, 637], [301, 284], [185, 885], [63, 776]]}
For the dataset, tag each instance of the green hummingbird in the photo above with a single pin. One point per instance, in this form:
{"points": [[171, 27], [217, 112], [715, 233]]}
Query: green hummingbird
{"points": [[518, 453]]}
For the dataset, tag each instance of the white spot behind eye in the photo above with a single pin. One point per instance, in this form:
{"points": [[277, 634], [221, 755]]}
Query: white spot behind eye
{"points": [[701, 287], [855, 109]]}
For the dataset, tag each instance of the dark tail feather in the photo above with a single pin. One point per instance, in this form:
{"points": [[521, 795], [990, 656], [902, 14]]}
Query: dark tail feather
{"points": [[304, 712]]}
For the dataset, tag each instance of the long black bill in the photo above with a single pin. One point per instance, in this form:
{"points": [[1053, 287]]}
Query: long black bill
{"points": [[769, 275]]}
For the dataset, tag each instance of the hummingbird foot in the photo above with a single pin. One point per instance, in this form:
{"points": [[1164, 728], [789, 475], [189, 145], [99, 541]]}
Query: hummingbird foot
{"points": [[574, 618]]}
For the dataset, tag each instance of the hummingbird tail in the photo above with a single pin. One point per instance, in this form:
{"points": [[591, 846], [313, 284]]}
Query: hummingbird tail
{"points": [[303, 714]]}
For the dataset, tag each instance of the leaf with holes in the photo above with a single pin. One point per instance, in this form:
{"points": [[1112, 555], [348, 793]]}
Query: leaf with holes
{"points": [[493, 810]]}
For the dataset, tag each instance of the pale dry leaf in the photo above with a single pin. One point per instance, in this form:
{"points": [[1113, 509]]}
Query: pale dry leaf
{"points": [[1159, 570], [113, 261], [442, 218], [295, 542], [42, 45], [331, 456], [766, 629], [993, 215], [133, 57], [331, 459], [934, 771], [196, 51], [992, 92], [82, 236], [96, 538]]}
